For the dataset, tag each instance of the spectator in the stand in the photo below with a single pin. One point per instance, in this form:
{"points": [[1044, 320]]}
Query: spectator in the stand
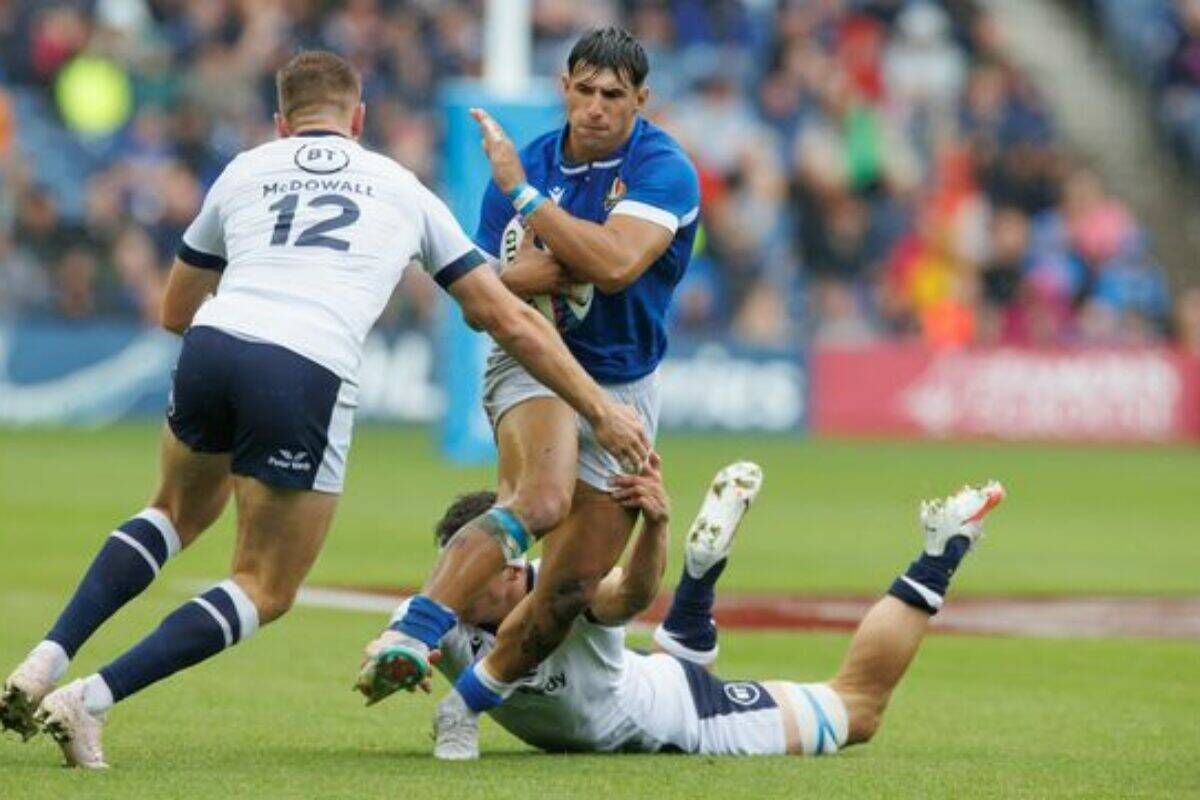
{"points": [[75, 276], [924, 69], [1000, 320], [1181, 81]]}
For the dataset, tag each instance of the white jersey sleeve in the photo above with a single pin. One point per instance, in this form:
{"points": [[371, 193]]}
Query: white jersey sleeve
{"points": [[203, 243], [447, 253]]}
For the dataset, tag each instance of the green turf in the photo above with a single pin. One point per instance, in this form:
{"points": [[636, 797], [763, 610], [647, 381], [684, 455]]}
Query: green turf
{"points": [[978, 717]]}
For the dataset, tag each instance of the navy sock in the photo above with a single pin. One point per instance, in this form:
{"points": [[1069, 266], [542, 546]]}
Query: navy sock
{"points": [[690, 622], [426, 620], [924, 584], [199, 629], [127, 563]]}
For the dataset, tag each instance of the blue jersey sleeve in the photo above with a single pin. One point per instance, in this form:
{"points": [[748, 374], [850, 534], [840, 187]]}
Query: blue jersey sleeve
{"points": [[494, 214], [662, 188]]}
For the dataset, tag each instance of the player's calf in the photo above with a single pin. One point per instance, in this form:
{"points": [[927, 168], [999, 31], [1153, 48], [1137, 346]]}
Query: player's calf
{"points": [[890, 634]]}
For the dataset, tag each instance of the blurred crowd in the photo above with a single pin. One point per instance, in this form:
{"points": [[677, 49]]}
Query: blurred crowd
{"points": [[869, 168], [1160, 39]]}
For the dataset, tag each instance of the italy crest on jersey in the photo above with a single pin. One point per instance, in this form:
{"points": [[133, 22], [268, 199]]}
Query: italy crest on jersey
{"points": [[615, 193]]}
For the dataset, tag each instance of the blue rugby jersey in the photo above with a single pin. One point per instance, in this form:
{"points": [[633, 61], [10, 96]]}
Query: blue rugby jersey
{"points": [[624, 336]]}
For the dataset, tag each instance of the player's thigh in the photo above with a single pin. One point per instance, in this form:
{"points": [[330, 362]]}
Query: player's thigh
{"points": [[280, 533], [589, 542], [538, 443], [193, 486]]}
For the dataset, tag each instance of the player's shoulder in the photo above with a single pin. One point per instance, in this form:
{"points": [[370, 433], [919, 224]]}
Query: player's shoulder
{"points": [[654, 146], [397, 180]]}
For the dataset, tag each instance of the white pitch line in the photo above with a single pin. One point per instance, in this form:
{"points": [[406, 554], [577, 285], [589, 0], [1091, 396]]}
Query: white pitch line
{"points": [[347, 600], [375, 602]]}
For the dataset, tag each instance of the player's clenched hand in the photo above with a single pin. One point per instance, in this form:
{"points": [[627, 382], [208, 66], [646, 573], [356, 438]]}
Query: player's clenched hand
{"points": [[645, 492], [535, 271], [619, 431], [506, 164]]}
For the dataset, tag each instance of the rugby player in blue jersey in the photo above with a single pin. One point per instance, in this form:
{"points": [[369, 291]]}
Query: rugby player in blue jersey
{"points": [[614, 200]]}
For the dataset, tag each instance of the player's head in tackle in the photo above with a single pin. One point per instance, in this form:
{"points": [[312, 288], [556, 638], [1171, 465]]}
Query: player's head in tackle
{"points": [[317, 89], [604, 88]]}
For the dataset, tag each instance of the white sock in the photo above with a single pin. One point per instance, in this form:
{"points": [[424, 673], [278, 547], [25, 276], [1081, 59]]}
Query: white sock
{"points": [[453, 702], [97, 697], [59, 660]]}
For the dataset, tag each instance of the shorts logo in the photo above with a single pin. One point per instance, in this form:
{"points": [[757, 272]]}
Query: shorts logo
{"points": [[744, 694], [286, 459], [322, 159], [556, 194]]}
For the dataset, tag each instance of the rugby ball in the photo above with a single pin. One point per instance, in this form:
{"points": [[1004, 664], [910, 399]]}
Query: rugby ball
{"points": [[567, 310]]}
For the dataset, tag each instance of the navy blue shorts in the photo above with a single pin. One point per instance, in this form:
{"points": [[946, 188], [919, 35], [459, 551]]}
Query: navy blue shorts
{"points": [[714, 697], [279, 414]]}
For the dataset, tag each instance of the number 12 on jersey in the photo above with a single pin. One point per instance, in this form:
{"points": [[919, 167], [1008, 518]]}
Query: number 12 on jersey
{"points": [[315, 234]]}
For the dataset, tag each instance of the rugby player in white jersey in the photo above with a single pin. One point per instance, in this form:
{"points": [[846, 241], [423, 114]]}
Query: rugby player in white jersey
{"points": [[595, 694], [300, 242]]}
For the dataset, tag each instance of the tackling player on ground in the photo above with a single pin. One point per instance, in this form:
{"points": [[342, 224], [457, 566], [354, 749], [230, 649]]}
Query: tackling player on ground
{"points": [[615, 201], [302, 240], [595, 694]]}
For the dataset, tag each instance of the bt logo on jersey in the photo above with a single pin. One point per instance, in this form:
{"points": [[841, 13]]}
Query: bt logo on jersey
{"points": [[321, 158]]}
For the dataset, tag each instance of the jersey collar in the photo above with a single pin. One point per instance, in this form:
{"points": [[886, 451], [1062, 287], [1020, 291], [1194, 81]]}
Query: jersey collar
{"points": [[617, 156], [320, 132]]}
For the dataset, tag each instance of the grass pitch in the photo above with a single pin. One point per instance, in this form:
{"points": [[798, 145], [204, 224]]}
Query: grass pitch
{"points": [[977, 717]]}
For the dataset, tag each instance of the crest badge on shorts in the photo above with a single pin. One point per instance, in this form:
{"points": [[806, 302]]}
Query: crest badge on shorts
{"points": [[743, 694]]}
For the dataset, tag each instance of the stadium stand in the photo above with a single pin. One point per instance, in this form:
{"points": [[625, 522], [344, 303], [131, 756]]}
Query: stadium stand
{"points": [[870, 169], [1160, 41]]}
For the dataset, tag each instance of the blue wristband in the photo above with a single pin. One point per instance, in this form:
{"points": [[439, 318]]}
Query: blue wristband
{"points": [[525, 199]]}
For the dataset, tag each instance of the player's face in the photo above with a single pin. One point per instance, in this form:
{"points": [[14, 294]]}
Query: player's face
{"points": [[601, 108], [496, 599]]}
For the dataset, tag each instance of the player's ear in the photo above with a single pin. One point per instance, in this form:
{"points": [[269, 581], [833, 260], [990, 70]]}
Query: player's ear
{"points": [[564, 80], [358, 120], [643, 94], [281, 126]]}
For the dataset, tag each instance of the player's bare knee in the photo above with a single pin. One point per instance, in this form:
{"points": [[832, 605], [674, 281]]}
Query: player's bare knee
{"points": [[271, 602], [189, 518], [542, 508], [865, 713]]}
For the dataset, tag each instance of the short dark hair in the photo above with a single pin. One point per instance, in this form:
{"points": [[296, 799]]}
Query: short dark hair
{"points": [[611, 48], [465, 508], [317, 80]]}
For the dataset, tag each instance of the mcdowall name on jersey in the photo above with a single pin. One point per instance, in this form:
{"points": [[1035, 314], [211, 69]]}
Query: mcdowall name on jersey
{"points": [[318, 184]]}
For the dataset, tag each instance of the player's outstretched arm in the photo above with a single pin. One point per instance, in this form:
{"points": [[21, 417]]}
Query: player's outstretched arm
{"points": [[611, 256], [627, 592], [187, 288], [534, 342]]}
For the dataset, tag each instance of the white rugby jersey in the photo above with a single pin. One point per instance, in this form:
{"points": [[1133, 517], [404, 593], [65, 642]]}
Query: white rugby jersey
{"points": [[591, 694], [312, 234]]}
